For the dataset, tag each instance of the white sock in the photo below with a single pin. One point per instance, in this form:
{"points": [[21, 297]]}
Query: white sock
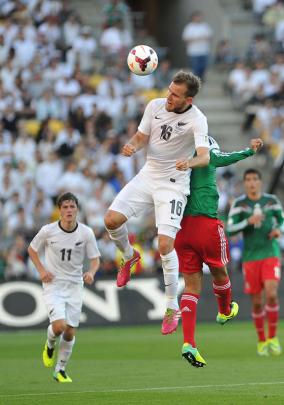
{"points": [[170, 270], [51, 337], [64, 353], [120, 238]]}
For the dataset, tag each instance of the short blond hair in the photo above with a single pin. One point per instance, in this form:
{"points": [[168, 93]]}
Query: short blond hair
{"points": [[192, 82]]}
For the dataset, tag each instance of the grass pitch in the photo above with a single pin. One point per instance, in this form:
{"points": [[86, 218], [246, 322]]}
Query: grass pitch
{"points": [[137, 365]]}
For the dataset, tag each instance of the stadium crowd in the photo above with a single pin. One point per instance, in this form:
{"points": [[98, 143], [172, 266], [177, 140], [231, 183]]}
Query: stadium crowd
{"points": [[68, 103], [257, 80]]}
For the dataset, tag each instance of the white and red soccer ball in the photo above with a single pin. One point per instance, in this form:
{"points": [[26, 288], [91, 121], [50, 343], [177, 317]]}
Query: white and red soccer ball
{"points": [[142, 60]]}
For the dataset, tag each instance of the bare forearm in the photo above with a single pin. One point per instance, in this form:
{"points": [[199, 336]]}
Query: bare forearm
{"points": [[138, 141], [36, 261], [198, 161], [94, 265]]}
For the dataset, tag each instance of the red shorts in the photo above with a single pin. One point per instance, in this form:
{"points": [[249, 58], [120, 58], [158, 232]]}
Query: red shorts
{"points": [[201, 240], [258, 271]]}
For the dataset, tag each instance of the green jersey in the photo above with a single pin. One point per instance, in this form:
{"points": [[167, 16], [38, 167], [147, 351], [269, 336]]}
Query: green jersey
{"points": [[204, 197], [257, 245]]}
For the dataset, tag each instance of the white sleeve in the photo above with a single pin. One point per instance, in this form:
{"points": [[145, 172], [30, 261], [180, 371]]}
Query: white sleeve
{"points": [[145, 124], [186, 33], [201, 132], [39, 240], [92, 249]]}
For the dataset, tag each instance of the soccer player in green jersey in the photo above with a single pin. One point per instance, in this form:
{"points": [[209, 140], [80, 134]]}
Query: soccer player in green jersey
{"points": [[259, 216], [202, 240]]}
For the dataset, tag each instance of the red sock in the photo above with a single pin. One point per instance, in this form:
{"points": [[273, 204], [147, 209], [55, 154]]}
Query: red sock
{"points": [[188, 304], [272, 312], [223, 293], [258, 318]]}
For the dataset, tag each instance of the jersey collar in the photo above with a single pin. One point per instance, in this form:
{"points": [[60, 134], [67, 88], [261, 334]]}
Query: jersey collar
{"points": [[64, 230], [187, 108]]}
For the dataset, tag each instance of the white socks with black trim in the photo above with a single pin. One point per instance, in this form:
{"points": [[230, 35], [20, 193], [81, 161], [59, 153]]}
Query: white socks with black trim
{"points": [[170, 269], [120, 238]]}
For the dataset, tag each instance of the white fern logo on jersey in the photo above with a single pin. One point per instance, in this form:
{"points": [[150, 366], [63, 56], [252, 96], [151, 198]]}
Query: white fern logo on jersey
{"points": [[142, 60]]}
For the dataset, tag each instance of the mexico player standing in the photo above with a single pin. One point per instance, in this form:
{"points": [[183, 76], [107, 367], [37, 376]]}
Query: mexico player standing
{"points": [[66, 243], [202, 240], [259, 216], [172, 128]]}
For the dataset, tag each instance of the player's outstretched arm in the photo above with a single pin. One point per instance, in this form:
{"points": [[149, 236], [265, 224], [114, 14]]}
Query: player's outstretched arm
{"points": [[200, 160], [45, 276], [89, 275], [138, 141], [221, 159]]}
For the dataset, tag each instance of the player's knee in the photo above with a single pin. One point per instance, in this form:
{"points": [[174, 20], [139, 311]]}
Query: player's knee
{"points": [[271, 298], [219, 274], [69, 333], [59, 327], [165, 246], [111, 220]]}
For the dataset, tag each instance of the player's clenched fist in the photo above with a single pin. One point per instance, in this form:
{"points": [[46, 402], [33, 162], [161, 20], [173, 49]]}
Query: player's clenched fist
{"points": [[88, 277], [256, 144], [182, 164], [46, 276], [128, 150]]}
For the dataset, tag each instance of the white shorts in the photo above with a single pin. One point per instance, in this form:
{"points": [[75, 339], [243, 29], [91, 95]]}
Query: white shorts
{"points": [[63, 300], [140, 196]]}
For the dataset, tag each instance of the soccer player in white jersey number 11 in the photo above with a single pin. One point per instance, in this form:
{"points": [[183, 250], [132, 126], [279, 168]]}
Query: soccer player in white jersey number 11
{"points": [[172, 129], [66, 243]]}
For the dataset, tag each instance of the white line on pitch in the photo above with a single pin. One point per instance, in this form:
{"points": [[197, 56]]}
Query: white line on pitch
{"points": [[189, 387]]}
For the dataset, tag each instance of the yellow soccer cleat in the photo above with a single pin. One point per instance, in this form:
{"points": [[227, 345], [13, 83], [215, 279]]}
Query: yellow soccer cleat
{"points": [[274, 346], [48, 356], [61, 376], [222, 318], [192, 355], [262, 349]]}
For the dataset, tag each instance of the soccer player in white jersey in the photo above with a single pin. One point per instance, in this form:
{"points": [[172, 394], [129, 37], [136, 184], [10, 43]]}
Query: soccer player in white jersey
{"points": [[172, 129], [66, 243]]}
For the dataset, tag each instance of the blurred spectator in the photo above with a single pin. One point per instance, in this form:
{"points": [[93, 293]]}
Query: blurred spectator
{"points": [[115, 40], [113, 11], [66, 140], [259, 49], [197, 36], [16, 260], [48, 106], [19, 223], [163, 75], [259, 7], [24, 148], [48, 173], [83, 50], [225, 56], [273, 15]]}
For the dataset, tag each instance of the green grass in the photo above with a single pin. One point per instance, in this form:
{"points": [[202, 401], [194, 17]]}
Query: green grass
{"points": [[137, 365]]}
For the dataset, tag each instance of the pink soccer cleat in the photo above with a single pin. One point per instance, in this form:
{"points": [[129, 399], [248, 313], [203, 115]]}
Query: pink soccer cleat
{"points": [[170, 321], [124, 273]]}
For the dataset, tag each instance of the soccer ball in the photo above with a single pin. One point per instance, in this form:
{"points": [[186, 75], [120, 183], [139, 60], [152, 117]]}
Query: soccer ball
{"points": [[142, 60]]}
